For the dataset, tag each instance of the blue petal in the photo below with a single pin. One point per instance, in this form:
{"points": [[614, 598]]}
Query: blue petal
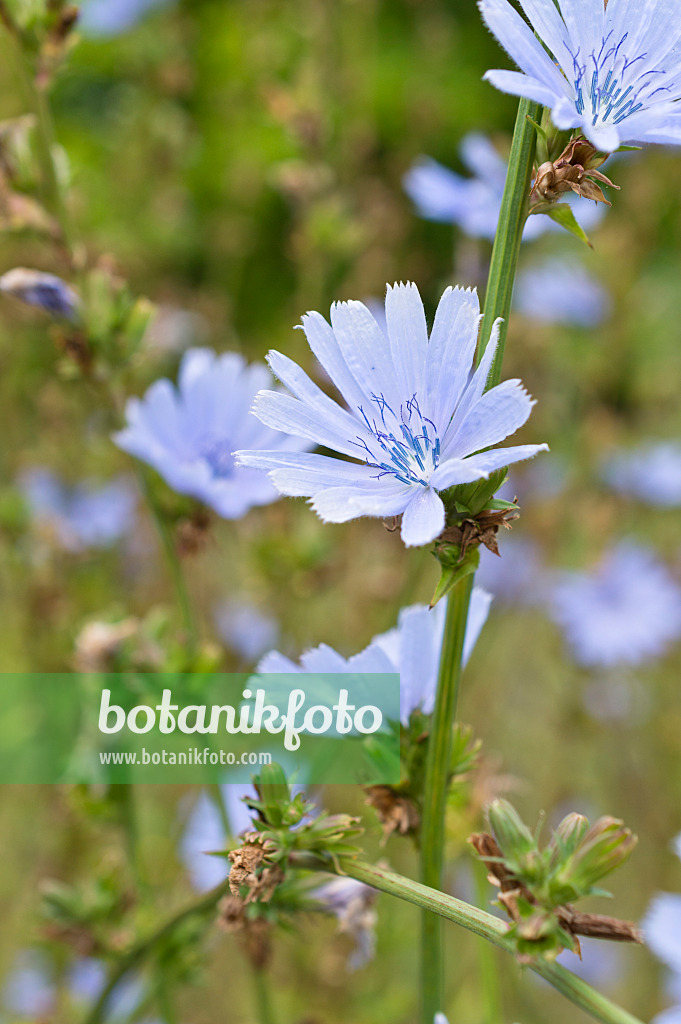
{"points": [[423, 519], [281, 412], [324, 345], [366, 350], [518, 84], [408, 335], [499, 412], [488, 462], [450, 353], [456, 471], [522, 46], [301, 475], [341, 504]]}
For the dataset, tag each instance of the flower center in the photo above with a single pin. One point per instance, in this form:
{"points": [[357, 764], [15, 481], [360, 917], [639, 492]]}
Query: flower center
{"points": [[218, 455], [405, 446], [608, 81]]}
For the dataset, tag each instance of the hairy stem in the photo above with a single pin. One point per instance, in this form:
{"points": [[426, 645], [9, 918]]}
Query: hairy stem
{"points": [[514, 210], [490, 928], [435, 794], [502, 273]]}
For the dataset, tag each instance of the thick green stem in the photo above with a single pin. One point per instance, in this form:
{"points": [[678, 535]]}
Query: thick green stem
{"points": [[435, 794], [265, 1014], [502, 272], [514, 209], [490, 928]]}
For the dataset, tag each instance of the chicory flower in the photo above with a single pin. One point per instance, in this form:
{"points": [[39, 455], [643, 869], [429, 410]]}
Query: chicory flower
{"points": [[412, 649], [613, 71], [188, 434], [417, 420]]}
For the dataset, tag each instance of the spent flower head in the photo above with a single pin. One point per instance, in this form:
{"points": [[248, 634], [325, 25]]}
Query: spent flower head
{"points": [[611, 70], [188, 433], [417, 420], [474, 203]]}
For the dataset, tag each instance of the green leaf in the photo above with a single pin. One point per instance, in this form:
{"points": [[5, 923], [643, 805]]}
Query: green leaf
{"points": [[453, 574], [562, 214]]}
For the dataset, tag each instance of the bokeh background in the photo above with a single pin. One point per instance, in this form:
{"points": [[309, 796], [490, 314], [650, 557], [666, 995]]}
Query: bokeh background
{"points": [[240, 163]]}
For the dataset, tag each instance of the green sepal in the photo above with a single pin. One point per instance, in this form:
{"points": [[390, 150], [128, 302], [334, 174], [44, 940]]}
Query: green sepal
{"points": [[454, 573], [562, 214]]}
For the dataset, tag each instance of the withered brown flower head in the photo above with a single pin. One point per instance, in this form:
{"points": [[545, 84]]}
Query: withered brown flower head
{"points": [[575, 170]]}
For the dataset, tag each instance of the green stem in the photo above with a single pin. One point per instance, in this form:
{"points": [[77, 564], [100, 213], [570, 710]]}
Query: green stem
{"points": [[36, 100], [262, 996], [139, 952], [489, 977], [490, 928], [512, 217], [435, 795], [502, 272], [173, 560]]}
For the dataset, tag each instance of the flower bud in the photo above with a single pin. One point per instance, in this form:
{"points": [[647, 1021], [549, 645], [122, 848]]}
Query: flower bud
{"points": [[42, 290], [605, 846], [513, 836]]}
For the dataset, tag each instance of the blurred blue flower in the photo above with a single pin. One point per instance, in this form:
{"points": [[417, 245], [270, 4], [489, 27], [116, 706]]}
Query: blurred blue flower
{"points": [[651, 472], [188, 434], [412, 649], [600, 963], [415, 417], [31, 990], [80, 517], [111, 17], [352, 903], [45, 291], [662, 933], [613, 71], [246, 629], [625, 611], [517, 576], [474, 203], [561, 292]]}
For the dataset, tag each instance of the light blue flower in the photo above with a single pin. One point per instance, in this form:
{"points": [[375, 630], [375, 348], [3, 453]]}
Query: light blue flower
{"points": [[246, 629], [518, 576], [415, 414], [561, 292], [30, 991], [474, 203], [614, 72], [352, 904], [662, 933], [412, 649], [651, 472], [112, 17], [188, 434], [625, 611], [80, 517]]}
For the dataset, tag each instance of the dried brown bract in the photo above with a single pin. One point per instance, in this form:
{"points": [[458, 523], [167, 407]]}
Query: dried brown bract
{"points": [[482, 529], [575, 170], [396, 813], [596, 926], [250, 869]]}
